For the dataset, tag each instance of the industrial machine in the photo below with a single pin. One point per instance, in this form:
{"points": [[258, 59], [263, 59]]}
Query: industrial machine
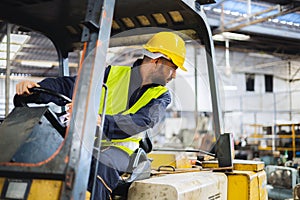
{"points": [[281, 181], [94, 25]]}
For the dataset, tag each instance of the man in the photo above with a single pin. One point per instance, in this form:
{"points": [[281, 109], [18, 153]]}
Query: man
{"points": [[137, 100]]}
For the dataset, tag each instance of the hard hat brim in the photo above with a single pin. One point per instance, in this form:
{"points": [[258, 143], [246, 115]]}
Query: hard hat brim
{"points": [[156, 55]]}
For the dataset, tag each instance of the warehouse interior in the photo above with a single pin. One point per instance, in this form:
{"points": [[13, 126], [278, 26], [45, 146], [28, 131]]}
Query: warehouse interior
{"points": [[257, 60]]}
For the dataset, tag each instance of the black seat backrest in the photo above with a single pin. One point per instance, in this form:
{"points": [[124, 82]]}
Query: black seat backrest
{"points": [[27, 136]]}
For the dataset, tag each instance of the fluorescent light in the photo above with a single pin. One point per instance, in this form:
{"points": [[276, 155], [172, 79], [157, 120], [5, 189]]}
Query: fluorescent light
{"points": [[227, 12], [218, 10], [283, 22], [46, 64], [236, 36], [235, 13], [232, 36], [42, 63], [218, 37]]}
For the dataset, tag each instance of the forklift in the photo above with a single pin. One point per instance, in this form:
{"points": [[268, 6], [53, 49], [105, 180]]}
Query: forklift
{"points": [[93, 26]]}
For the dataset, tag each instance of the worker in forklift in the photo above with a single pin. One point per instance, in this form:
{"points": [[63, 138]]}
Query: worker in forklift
{"points": [[137, 100]]}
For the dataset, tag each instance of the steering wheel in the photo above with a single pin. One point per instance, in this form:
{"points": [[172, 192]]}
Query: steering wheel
{"points": [[23, 100]]}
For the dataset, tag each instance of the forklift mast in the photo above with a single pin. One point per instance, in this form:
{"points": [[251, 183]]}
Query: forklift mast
{"points": [[94, 25]]}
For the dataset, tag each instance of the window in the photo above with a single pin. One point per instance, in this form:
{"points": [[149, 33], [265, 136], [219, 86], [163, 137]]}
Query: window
{"points": [[250, 82], [269, 83]]}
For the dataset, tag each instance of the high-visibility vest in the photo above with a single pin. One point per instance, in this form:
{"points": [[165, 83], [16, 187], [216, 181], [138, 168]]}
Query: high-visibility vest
{"points": [[118, 81]]}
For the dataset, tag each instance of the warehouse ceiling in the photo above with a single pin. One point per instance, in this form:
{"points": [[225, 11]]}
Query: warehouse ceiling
{"points": [[272, 26]]}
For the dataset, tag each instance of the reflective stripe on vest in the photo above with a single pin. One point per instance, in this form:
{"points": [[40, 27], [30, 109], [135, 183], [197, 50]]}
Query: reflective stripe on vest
{"points": [[118, 85], [128, 144]]}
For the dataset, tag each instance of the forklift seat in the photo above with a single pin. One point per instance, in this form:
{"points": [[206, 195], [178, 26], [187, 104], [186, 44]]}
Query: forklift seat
{"points": [[139, 168]]}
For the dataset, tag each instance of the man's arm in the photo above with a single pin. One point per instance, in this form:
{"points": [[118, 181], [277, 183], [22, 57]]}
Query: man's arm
{"points": [[122, 126], [63, 85]]}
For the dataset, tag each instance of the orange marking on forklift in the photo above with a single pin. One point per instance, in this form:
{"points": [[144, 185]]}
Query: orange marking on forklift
{"points": [[66, 159], [99, 43], [83, 54]]}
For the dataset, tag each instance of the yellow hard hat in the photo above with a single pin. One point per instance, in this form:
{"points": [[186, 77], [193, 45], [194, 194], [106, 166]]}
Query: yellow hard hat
{"points": [[170, 45]]}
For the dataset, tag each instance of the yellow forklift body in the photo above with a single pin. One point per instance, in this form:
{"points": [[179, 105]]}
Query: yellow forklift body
{"points": [[1, 184], [242, 165], [45, 189], [40, 189], [247, 185], [162, 159], [247, 181]]}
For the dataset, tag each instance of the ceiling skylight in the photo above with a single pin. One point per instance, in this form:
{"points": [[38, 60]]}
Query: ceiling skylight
{"points": [[16, 43]]}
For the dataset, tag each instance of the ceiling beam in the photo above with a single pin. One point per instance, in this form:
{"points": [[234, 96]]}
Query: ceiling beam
{"points": [[256, 21], [251, 16]]}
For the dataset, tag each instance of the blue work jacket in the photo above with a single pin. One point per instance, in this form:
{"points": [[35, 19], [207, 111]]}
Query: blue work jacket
{"points": [[144, 119]]}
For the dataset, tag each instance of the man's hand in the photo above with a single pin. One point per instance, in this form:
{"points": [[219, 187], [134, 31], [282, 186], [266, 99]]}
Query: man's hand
{"points": [[69, 107], [23, 86], [99, 118]]}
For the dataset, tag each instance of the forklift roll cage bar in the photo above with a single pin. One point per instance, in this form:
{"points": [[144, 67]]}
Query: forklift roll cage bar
{"points": [[71, 24]]}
